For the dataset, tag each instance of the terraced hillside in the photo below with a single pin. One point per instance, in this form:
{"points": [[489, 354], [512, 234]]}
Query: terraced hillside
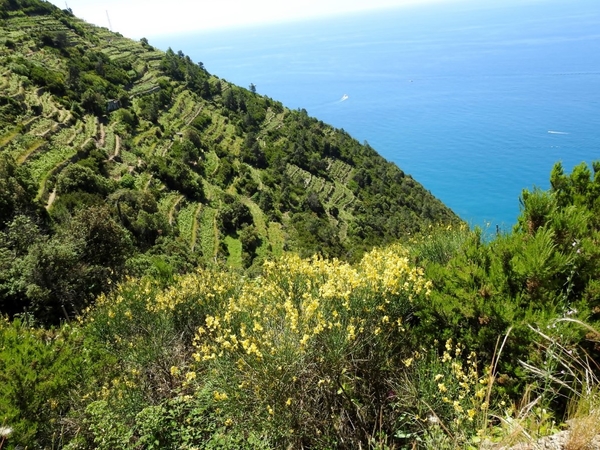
{"points": [[193, 170]]}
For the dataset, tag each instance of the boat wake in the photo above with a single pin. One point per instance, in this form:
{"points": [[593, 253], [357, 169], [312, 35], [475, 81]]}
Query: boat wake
{"points": [[330, 103], [557, 132]]}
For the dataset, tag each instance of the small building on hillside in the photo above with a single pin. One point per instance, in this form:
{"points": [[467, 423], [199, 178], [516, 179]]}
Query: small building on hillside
{"points": [[112, 105]]}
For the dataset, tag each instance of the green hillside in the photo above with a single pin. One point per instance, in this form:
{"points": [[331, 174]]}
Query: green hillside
{"points": [[106, 142]]}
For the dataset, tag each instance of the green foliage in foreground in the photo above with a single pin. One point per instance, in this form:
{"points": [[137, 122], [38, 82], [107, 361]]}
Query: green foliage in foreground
{"points": [[447, 341]]}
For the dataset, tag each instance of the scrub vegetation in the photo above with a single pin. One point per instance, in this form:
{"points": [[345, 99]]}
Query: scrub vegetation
{"points": [[185, 264]]}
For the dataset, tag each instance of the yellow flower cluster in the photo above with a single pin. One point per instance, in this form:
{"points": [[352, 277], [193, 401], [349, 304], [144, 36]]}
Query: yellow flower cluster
{"points": [[118, 387], [297, 300], [220, 396], [268, 337], [203, 286], [460, 384], [389, 270]]}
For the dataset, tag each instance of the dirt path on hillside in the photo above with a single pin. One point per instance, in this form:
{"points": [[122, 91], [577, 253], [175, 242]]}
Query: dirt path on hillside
{"points": [[101, 141], [117, 148], [51, 199], [172, 210]]}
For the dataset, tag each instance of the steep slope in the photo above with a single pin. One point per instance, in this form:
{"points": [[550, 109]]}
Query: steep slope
{"points": [[185, 167]]}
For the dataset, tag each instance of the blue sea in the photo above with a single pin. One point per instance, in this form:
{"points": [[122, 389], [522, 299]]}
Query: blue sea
{"points": [[476, 100]]}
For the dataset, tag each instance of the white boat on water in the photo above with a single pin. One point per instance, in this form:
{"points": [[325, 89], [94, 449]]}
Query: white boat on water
{"points": [[344, 97]]}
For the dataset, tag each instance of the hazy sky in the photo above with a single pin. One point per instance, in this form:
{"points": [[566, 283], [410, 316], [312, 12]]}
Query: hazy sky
{"points": [[147, 18]]}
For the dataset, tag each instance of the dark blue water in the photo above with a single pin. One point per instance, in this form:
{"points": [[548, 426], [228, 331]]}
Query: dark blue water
{"points": [[476, 102]]}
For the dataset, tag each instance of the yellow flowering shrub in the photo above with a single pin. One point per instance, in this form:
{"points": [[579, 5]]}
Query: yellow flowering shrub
{"points": [[149, 329], [297, 300], [306, 350], [309, 332], [450, 392]]}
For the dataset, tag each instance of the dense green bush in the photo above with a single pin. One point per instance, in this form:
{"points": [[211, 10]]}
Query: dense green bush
{"points": [[178, 176], [51, 79], [40, 371], [138, 212], [17, 191], [317, 367], [546, 268], [77, 177], [234, 215]]}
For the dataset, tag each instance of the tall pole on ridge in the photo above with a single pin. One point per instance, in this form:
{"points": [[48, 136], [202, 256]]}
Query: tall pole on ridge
{"points": [[109, 24]]}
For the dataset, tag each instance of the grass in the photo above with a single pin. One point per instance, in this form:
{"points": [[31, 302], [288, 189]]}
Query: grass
{"points": [[30, 150], [109, 140], [149, 135], [168, 203], [129, 158], [142, 180], [258, 216], [10, 135], [340, 171], [209, 234], [584, 420], [65, 136], [195, 228], [186, 220], [566, 373], [46, 176], [342, 197], [47, 162], [441, 244], [234, 249], [212, 163], [276, 238]]}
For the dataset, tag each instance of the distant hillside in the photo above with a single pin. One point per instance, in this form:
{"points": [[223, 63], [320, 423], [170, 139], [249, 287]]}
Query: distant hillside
{"points": [[117, 158]]}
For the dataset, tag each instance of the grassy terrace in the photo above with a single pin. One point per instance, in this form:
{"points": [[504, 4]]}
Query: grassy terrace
{"points": [[234, 250], [146, 83], [9, 135], [339, 170], [276, 238], [168, 205], [208, 233], [185, 106], [50, 164], [332, 194], [35, 146], [223, 132], [186, 223], [110, 140], [44, 162]]}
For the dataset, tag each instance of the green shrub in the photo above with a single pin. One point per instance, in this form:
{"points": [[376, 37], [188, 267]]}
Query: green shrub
{"points": [[77, 177], [39, 371], [303, 355]]}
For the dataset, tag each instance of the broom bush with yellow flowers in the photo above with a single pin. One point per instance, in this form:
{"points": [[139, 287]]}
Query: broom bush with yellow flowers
{"points": [[305, 354], [448, 398], [307, 351]]}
